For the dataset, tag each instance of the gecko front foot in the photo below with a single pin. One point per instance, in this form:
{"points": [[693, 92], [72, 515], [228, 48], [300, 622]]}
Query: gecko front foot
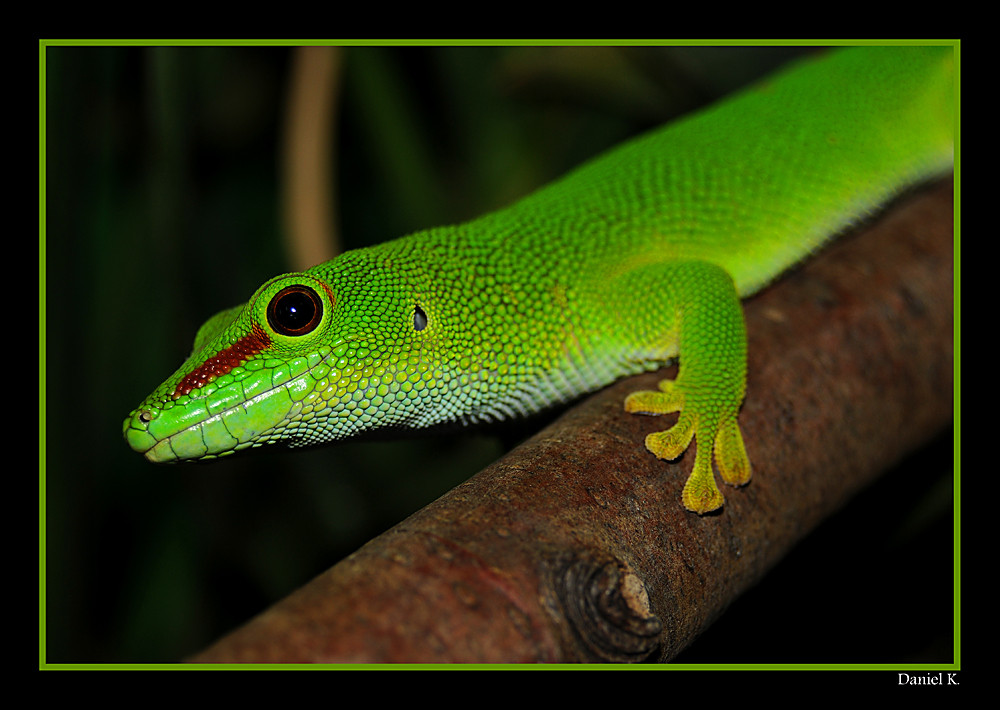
{"points": [[715, 432]]}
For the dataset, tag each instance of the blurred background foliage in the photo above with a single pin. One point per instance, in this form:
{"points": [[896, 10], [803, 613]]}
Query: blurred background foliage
{"points": [[167, 190]]}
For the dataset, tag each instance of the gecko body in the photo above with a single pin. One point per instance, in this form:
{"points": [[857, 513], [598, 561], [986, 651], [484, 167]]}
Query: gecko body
{"points": [[636, 258]]}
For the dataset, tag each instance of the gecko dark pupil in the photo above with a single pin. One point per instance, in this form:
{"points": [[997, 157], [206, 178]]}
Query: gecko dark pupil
{"points": [[295, 310]]}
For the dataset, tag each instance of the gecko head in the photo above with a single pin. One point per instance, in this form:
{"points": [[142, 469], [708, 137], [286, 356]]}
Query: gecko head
{"points": [[312, 357]]}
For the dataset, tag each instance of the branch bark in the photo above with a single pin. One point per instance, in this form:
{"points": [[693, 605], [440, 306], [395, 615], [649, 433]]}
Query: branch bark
{"points": [[575, 548]]}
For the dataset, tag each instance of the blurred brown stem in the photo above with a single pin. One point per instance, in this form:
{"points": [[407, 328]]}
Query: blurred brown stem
{"points": [[308, 158]]}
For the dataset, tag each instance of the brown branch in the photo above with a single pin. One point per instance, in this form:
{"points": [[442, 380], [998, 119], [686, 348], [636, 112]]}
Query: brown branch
{"points": [[575, 547]]}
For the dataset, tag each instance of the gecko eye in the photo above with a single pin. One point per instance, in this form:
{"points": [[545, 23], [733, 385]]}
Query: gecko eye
{"points": [[295, 310], [419, 318]]}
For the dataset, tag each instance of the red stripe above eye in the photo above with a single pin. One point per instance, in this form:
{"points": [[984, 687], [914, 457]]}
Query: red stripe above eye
{"points": [[224, 361]]}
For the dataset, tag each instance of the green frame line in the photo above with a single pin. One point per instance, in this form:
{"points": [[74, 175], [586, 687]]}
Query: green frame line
{"points": [[43, 44]]}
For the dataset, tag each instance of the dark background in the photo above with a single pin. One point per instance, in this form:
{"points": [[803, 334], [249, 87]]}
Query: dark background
{"points": [[163, 197]]}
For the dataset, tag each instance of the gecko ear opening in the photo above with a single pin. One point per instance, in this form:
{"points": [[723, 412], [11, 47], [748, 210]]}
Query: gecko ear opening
{"points": [[295, 311], [419, 318]]}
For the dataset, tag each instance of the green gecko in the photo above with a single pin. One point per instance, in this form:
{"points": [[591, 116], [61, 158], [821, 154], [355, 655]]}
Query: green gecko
{"points": [[636, 258]]}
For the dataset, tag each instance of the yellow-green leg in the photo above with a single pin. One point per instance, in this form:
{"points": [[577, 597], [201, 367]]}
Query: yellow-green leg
{"points": [[704, 313]]}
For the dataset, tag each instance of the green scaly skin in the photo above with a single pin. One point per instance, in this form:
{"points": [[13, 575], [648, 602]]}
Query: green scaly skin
{"points": [[636, 258]]}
